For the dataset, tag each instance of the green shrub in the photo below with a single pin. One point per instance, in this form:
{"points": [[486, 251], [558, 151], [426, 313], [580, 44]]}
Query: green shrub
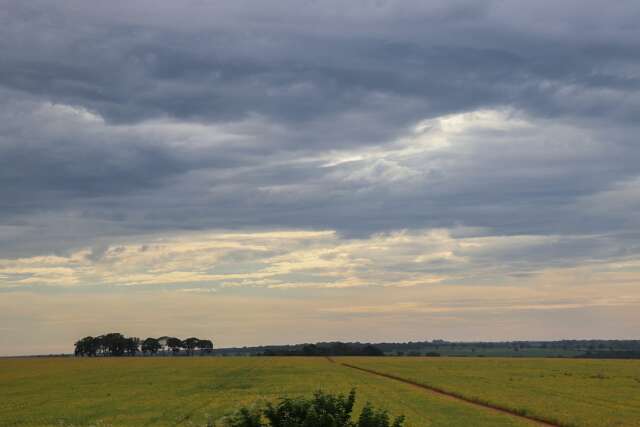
{"points": [[322, 410]]}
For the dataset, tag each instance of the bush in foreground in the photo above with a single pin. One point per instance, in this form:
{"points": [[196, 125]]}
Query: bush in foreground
{"points": [[322, 410]]}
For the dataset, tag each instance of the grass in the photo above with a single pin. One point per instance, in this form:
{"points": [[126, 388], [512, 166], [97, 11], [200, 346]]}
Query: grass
{"points": [[189, 391], [569, 392]]}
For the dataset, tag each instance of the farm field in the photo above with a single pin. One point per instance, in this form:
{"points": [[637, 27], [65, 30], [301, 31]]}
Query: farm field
{"points": [[189, 391], [568, 392]]}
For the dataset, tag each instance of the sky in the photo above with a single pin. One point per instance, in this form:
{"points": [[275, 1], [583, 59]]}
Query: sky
{"points": [[287, 171]]}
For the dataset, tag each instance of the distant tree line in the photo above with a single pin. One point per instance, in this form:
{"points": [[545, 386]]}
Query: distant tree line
{"points": [[325, 349], [611, 354], [619, 349], [566, 348], [116, 344]]}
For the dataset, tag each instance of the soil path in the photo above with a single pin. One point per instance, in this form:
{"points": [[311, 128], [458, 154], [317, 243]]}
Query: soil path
{"points": [[440, 392]]}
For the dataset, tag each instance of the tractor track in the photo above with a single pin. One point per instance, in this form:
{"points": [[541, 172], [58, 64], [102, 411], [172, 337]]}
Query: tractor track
{"points": [[447, 394]]}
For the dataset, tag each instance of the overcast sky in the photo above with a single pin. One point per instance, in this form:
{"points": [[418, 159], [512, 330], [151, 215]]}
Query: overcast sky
{"points": [[286, 171]]}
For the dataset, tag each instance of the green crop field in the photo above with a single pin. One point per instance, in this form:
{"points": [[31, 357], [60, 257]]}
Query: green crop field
{"points": [[569, 392], [190, 391]]}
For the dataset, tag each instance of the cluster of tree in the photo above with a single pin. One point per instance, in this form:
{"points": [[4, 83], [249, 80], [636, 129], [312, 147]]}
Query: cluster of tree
{"points": [[190, 345], [325, 349], [322, 410], [112, 344], [116, 344]]}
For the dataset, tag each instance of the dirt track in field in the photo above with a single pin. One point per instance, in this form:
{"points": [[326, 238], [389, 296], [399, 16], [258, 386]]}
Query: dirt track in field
{"points": [[434, 390]]}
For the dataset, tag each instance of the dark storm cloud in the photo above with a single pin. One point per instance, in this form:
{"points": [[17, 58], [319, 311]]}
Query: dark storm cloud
{"points": [[129, 63], [142, 117]]}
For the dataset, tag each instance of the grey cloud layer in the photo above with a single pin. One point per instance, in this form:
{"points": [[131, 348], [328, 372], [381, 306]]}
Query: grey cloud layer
{"points": [[224, 60], [141, 117]]}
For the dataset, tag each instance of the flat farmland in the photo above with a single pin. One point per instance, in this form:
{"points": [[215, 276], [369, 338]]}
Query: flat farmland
{"points": [[192, 391], [567, 392]]}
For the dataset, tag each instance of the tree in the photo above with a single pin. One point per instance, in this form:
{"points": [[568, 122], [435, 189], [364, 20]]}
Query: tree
{"points": [[101, 345], [370, 350], [131, 345], [190, 344], [369, 417], [114, 343], [310, 350], [206, 346], [174, 344], [87, 346], [150, 345]]}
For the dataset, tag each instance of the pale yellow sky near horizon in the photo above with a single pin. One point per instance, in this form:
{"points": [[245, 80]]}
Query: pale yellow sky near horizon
{"points": [[291, 286]]}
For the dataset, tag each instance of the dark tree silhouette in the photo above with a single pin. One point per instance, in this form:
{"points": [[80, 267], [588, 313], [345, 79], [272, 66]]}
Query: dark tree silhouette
{"points": [[116, 344], [190, 344], [174, 344], [150, 345], [310, 350], [87, 346], [206, 346], [323, 349], [370, 350], [132, 345], [112, 344]]}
